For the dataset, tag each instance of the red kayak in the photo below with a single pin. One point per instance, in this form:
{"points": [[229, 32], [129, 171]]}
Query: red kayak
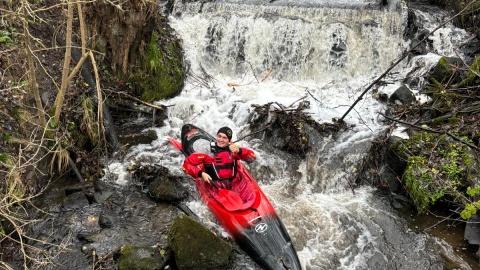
{"points": [[253, 224]]}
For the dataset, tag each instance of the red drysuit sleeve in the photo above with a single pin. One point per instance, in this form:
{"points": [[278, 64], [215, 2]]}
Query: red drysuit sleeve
{"points": [[246, 155], [190, 164]]}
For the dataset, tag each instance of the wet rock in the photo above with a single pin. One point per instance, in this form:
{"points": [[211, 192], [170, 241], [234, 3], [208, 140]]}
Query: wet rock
{"points": [[105, 221], [382, 166], [197, 248], [140, 258], [73, 189], [86, 188], [75, 201], [449, 69], [71, 258], [472, 231], [395, 162], [101, 196], [290, 129], [166, 189], [403, 95], [134, 133], [161, 185], [145, 174], [84, 236]]}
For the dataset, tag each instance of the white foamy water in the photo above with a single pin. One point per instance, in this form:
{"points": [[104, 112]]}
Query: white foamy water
{"points": [[326, 56]]}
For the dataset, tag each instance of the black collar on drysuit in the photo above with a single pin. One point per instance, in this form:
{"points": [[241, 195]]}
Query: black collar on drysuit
{"points": [[216, 149], [212, 170]]}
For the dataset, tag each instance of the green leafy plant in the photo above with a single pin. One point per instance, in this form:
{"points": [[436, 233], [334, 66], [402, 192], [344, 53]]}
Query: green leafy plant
{"points": [[6, 137], [421, 183], [471, 208], [436, 166], [5, 37]]}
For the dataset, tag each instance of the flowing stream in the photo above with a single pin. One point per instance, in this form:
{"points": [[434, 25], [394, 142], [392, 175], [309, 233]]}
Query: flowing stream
{"points": [[325, 53]]}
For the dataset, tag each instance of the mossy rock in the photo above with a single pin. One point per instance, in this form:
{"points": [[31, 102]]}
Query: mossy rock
{"points": [[437, 166], [472, 78], [161, 75], [140, 258], [197, 248], [447, 71], [167, 188]]}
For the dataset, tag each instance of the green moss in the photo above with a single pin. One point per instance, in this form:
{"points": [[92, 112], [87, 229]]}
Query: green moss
{"points": [[442, 70], [472, 76], [6, 137], [420, 182], [471, 208], [419, 144], [447, 72], [152, 134], [195, 247], [437, 166], [161, 75], [5, 37], [139, 258]]}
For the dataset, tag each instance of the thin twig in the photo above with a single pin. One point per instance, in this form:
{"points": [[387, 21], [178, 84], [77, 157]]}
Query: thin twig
{"points": [[254, 75], [351, 185], [441, 221], [433, 131], [161, 108], [253, 133]]}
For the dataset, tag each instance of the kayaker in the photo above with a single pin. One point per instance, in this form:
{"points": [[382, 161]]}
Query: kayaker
{"points": [[222, 167]]}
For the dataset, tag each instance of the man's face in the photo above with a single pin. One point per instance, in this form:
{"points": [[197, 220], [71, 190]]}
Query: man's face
{"points": [[222, 140]]}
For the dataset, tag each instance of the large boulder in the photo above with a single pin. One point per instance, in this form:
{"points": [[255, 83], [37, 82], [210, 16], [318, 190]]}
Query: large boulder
{"points": [[197, 248], [162, 186], [166, 189]]}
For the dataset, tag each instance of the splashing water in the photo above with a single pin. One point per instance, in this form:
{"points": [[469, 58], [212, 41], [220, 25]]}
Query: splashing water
{"points": [[325, 55]]}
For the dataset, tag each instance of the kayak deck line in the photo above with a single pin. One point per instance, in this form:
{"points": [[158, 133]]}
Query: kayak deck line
{"points": [[254, 221]]}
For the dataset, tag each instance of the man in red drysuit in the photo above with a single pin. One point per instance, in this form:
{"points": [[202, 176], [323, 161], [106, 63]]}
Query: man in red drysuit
{"points": [[222, 167]]}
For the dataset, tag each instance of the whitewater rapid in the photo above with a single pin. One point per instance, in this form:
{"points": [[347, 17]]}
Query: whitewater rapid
{"points": [[241, 55]]}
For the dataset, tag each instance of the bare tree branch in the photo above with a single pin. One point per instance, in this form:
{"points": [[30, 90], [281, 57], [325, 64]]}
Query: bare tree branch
{"points": [[404, 55]]}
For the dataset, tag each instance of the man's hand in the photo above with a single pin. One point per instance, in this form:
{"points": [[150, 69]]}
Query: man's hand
{"points": [[206, 177], [234, 148]]}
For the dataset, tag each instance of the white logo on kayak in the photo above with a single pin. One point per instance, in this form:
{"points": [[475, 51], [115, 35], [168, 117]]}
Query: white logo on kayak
{"points": [[261, 227]]}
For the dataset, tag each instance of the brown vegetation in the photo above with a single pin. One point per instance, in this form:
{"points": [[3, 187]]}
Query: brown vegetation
{"points": [[52, 117]]}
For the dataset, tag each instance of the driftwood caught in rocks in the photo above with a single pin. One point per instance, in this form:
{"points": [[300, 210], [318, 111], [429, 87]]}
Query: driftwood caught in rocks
{"points": [[290, 128]]}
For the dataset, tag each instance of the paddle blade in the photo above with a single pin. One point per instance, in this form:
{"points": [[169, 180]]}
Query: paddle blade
{"points": [[176, 143], [229, 199]]}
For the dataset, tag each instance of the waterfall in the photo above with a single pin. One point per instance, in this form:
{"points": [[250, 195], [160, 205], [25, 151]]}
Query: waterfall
{"points": [[326, 53], [296, 42]]}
